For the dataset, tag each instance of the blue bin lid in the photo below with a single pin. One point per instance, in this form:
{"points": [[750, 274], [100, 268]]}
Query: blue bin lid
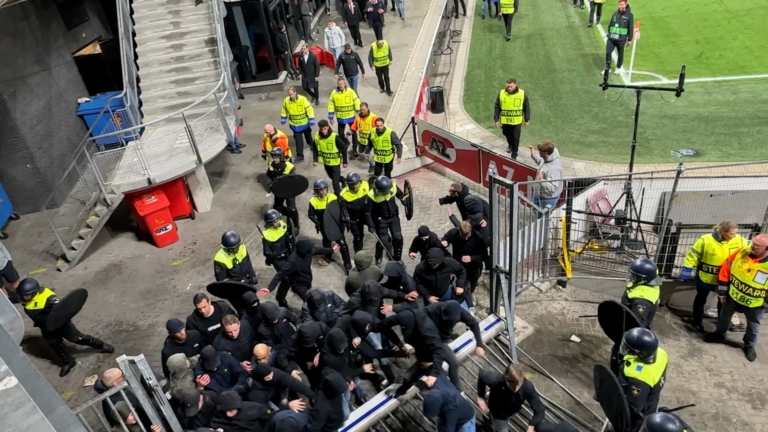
{"points": [[97, 103]]}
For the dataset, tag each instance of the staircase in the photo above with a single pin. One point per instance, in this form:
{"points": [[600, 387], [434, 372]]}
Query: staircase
{"points": [[181, 59]]}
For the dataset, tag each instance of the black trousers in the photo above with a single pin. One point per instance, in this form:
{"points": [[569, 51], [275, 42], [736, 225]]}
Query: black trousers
{"points": [[287, 206], [512, 134], [456, 8], [299, 137], [609, 46], [312, 91], [289, 66], [386, 168], [341, 129], [357, 228], [378, 29], [412, 375], [382, 74], [389, 231], [578, 2], [474, 271], [508, 24], [354, 30], [282, 290], [595, 9], [700, 301], [334, 173]]}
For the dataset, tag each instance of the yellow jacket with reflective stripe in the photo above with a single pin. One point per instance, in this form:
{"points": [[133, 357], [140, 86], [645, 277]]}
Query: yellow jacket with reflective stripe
{"points": [[321, 203], [377, 198], [748, 279], [327, 151], [708, 254], [344, 104], [298, 112], [349, 196], [649, 373], [273, 234], [645, 292], [228, 259], [37, 308]]}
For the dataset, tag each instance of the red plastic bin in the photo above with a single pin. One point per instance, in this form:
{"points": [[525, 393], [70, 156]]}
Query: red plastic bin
{"points": [[154, 208], [177, 192]]}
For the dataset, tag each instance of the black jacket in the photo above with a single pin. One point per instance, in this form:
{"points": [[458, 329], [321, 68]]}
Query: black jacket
{"points": [[444, 401], [336, 356], [226, 376], [99, 387], [310, 69], [263, 392], [350, 18], [474, 247], [242, 347], [421, 333], [251, 417], [360, 324], [190, 348], [374, 17], [421, 247], [204, 416], [341, 146], [621, 27], [327, 415], [209, 327], [298, 270], [436, 281], [471, 207], [503, 402], [526, 107], [351, 62], [445, 315], [279, 335], [279, 249], [370, 298], [251, 315], [387, 209], [283, 47], [321, 305]]}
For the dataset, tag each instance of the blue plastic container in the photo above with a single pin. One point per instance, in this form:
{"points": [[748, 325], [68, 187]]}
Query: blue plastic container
{"points": [[89, 112], [6, 208]]}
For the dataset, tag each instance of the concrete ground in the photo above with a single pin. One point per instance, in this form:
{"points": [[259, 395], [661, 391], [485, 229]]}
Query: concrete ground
{"points": [[135, 287]]}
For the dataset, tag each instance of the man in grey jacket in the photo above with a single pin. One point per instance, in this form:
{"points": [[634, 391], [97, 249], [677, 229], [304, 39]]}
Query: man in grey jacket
{"points": [[549, 174], [334, 39]]}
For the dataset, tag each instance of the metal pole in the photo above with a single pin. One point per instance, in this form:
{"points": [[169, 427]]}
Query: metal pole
{"points": [[512, 256], [223, 118], [546, 226], [99, 179], [192, 140], [493, 199], [665, 222]]}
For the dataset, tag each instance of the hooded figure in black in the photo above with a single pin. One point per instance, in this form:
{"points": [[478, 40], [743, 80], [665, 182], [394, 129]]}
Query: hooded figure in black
{"points": [[445, 315], [310, 339], [396, 278], [471, 207], [423, 242], [358, 328], [328, 414], [267, 384], [322, 305], [370, 298], [251, 313], [421, 333], [441, 278], [277, 329], [470, 250], [234, 415], [336, 356], [296, 274]]}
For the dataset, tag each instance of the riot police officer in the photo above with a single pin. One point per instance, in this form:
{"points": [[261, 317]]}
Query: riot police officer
{"points": [[317, 205], [385, 216], [232, 262], [641, 297], [38, 303], [354, 208], [642, 373], [277, 240], [278, 168], [664, 422]]}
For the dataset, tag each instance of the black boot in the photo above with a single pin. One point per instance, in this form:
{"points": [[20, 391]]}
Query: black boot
{"points": [[95, 342], [397, 249], [379, 253], [65, 358], [345, 257]]}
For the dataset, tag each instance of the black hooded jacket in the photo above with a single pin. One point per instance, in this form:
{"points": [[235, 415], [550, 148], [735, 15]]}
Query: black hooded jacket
{"points": [[474, 247], [262, 391], [310, 339], [471, 207], [298, 269], [250, 417], [321, 305], [327, 415], [436, 281], [370, 298], [397, 279], [335, 356], [360, 324], [421, 333], [279, 335], [445, 315], [421, 247], [251, 314]]}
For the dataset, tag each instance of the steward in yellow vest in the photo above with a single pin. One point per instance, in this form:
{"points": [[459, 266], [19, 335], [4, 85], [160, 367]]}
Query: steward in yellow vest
{"points": [[277, 168], [343, 104], [331, 151], [317, 205], [508, 9], [232, 262], [38, 303], [706, 256], [742, 286], [365, 122], [385, 145], [385, 216], [596, 9], [510, 112], [300, 115], [354, 203], [379, 59], [277, 239], [643, 373]]}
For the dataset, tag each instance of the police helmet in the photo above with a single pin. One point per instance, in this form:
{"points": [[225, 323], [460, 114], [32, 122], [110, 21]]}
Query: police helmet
{"points": [[640, 342], [277, 152], [231, 240], [320, 184], [27, 287], [382, 185], [643, 271], [353, 179], [271, 215], [662, 422]]}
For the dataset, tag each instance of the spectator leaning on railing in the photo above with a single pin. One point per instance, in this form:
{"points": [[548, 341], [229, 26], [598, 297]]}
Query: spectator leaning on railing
{"points": [[547, 193]]}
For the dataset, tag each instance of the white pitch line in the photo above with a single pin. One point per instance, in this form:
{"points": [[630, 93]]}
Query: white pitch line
{"points": [[710, 79]]}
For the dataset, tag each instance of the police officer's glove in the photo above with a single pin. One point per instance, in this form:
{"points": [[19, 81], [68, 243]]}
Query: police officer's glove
{"points": [[371, 230], [318, 228], [686, 273]]}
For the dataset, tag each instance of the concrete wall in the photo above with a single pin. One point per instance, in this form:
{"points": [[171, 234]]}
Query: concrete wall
{"points": [[39, 88]]}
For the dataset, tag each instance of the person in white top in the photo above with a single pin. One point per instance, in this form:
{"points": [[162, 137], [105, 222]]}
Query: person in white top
{"points": [[334, 39]]}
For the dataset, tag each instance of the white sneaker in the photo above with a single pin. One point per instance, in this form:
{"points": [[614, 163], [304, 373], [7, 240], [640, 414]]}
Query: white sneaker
{"points": [[712, 313], [619, 71]]}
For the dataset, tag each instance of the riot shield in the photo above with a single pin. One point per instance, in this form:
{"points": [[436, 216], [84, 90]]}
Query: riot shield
{"points": [[290, 186], [231, 291], [66, 308], [616, 319], [332, 225], [408, 200], [610, 396]]}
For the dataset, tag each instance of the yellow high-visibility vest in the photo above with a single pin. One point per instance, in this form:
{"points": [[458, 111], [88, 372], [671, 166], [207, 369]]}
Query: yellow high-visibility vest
{"points": [[318, 203], [749, 280], [273, 234], [230, 260], [380, 55], [39, 300], [287, 167], [364, 127], [383, 149], [377, 198], [645, 292], [362, 190], [708, 254], [649, 373], [511, 107], [344, 103], [507, 6], [327, 152], [298, 111]]}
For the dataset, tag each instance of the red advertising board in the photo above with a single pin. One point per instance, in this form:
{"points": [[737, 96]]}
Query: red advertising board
{"points": [[457, 154], [505, 168], [421, 110]]}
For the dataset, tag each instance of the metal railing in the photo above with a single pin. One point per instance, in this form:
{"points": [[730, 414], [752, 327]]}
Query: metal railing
{"points": [[128, 154]]}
